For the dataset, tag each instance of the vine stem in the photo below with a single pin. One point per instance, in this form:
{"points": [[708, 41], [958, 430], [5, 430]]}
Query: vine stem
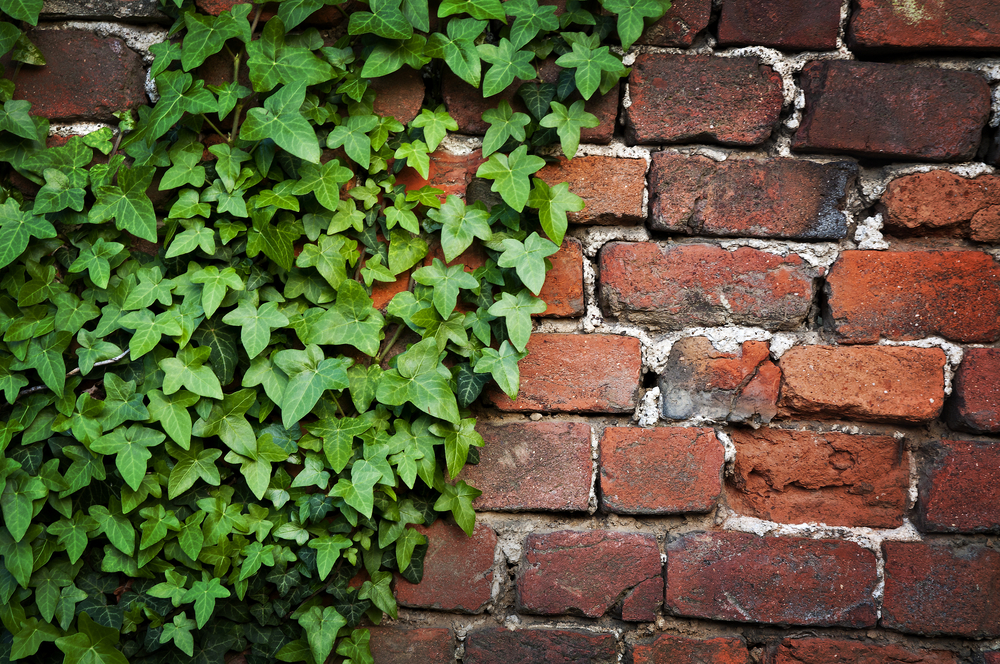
{"points": [[212, 125], [392, 342], [38, 388], [236, 77]]}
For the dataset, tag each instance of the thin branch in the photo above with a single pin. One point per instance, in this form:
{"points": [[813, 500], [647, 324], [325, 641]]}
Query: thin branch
{"points": [[38, 388]]}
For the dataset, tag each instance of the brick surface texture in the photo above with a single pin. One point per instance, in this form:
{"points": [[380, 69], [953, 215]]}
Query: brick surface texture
{"points": [[774, 324]]}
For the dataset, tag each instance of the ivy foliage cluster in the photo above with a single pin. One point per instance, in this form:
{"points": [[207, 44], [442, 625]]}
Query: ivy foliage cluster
{"points": [[221, 445]]}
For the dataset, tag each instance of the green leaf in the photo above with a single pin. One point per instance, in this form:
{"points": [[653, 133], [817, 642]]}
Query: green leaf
{"points": [[352, 135], [228, 164], [567, 122], [127, 203], [256, 324], [435, 124], [378, 591], [61, 190], [255, 555], [457, 440], [95, 258], [271, 61], [158, 522], [130, 447], [207, 35], [531, 19], [353, 321], [630, 17], [33, 634], [179, 631], [459, 225], [186, 169], [447, 282], [171, 411], [405, 250], [216, 285], [328, 257], [112, 523], [148, 330], [508, 64], [73, 533], [553, 203], [16, 117], [589, 63], [458, 49], [504, 124], [528, 259], [19, 494], [384, 20], [511, 175], [357, 647], [321, 626], [390, 55], [17, 228], [309, 375], [45, 355], [482, 9], [324, 181], [415, 154], [458, 500], [195, 237], [328, 550], [23, 10], [92, 644], [502, 365], [204, 594], [338, 438], [420, 379], [281, 121], [226, 420], [516, 312], [192, 464]]}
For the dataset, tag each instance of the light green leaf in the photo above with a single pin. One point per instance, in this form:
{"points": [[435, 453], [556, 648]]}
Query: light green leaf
{"points": [[511, 175], [204, 594], [281, 121], [256, 324], [567, 122], [516, 312], [130, 447], [309, 375]]}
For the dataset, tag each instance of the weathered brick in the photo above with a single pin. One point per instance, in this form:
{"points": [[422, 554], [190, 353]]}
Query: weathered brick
{"points": [[965, 24], [940, 201], [539, 646], [942, 588], [395, 645], [992, 657], [811, 25], [583, 573], [563, 289], [680, 25], [641, 603], [833, 478], [881, 383], [87, 77], [960, 489], [533, 466], [699, 380], [792, 581], [890, 111], [914, 294], [684, 98], [825, 651], [611, 188], [678, 286], [665, 470], [593, 373], [447, 171], [786, 198], [686, 650], [458, 570], [400, 94], [146, 11], [975, 398]]}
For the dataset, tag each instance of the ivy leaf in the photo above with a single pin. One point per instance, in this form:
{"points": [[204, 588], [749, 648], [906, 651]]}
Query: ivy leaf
{"points": [[384, 20], [204, 594], [186, 168], [458, 499], [338, 438], [127, 203], [516, 312], [158, 522], [130, 447], [353, 320], [378, 591], [192, 464], [457, 440], [420, 379], [511, 175], [17, 227], [481, 9], [553, 203], [504, 124], [24, 10], [447, 282], [502, 365], [171, 411], [45, 355], [459, 225], [528, 259], [531, 19], [271, 61], [508, 64], [179, 631], [228, 163], [537, 97], [61, 190], [324, 181], [148, 329], [567, 122], [92, 644], [309, 375], [226, 420], [207, 35], [589, 63], [115, 525], [216, 284], [357, 648], [630, 17], [256, 324], [33, 634], [458, 48], [388, 56], [328, 548], [121, 403], [435, 124], [271, 378], [321, 626], [352, 135], [254, 556], [187, 370], [19, 494], [415, 154], [327, 257], [95, 258], [274, 241], [281, 121], [293, 12], [73, 533], [405, 250], [196, 236], [16, 116]]}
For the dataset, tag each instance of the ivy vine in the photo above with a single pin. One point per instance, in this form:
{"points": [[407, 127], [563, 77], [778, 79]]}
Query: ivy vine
{"points": [[220, 445]]}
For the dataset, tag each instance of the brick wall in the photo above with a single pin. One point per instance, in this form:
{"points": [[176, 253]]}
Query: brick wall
{"points": [[759, 419]]}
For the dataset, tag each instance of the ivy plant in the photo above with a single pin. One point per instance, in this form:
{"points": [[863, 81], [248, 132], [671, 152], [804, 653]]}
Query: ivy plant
{"points": [[213, 441]]}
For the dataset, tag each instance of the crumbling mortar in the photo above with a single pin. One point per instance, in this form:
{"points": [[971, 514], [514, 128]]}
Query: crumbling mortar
{"points": [[953, 355]]}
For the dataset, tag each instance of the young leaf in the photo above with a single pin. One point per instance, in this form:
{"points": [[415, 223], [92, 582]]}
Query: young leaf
{"points": [[504, 124], [204, 594], [531, 19], [256, 324], [511, 175], [458, 500], [589, 63], [309, 375], [508, 64], [528, 259], [553, 203], [567, 122], [516, 312], [459, 225], [630, 17], [435, 124], [281, 121]]}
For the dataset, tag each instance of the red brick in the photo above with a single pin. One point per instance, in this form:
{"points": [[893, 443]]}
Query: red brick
{"points": [[583, 573], [400, 94], [147, 11], [533, 466], [960, 490], [891, 111], [458, 570], [666, 470], [680, 25], [811, 25], [937, 201], [942, 588], [611, 188], [641, 603], [447, 171], [833, 478], [86, 77], [685, 98], [540, 646], [592, 373], [790, 581], [466, 104], [914, 294], [684, 650], [992, 657], [975, 397], [395, 645], [699, 380], [677, 286], [961, 24], [786, 198], [881, 383], [563, 289], [824, 651]]}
